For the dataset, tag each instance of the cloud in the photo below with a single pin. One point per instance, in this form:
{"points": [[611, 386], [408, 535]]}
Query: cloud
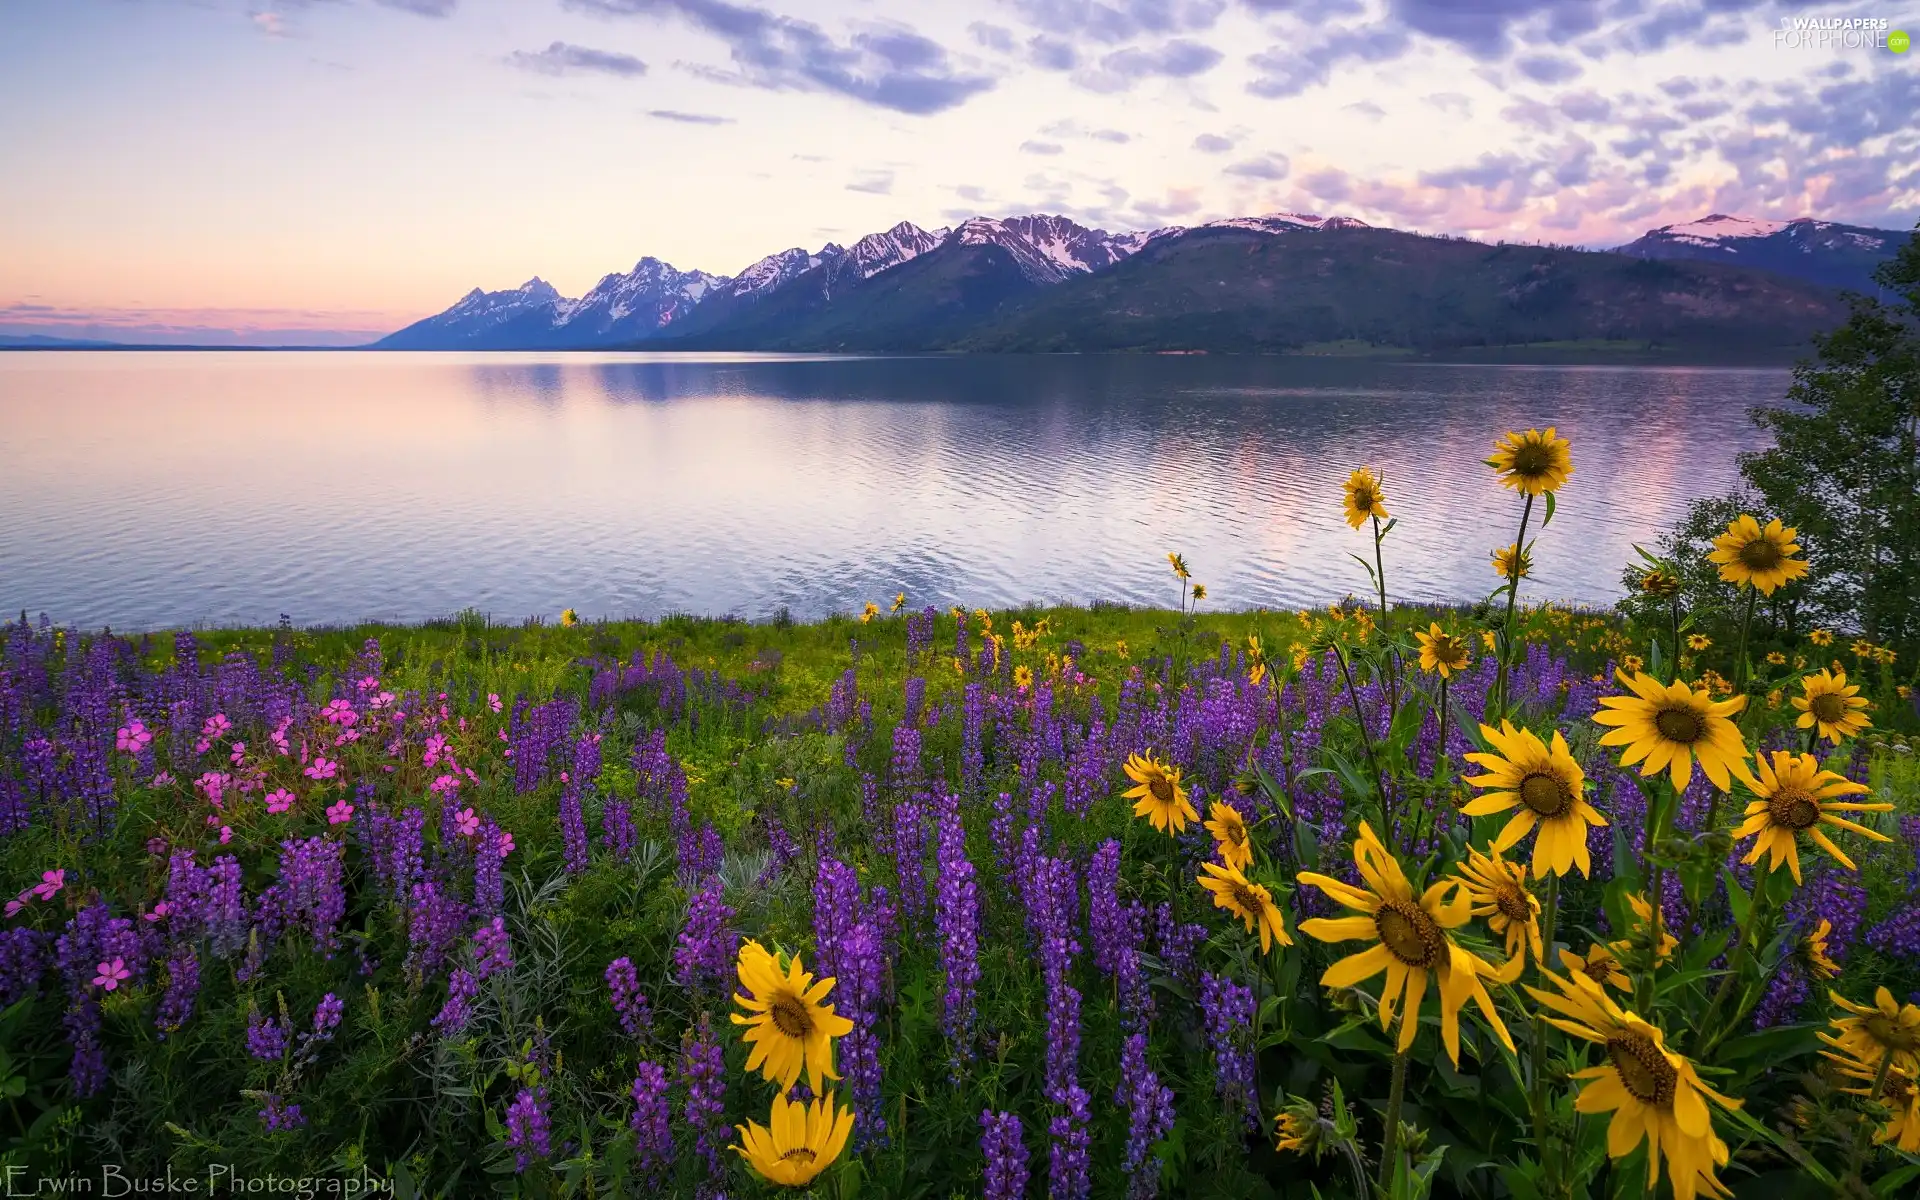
{"points": [[1177, 59], [270, 23], [1040, 148], [887, 65], [1051, 54], [993, 37], [687, 118], [1451, 102], [1268, 166], [1482, 28], [1212, 143], [1584, 106], [1366, 108], [968, 191], [424, 8], [1121, 20], [1545, 68], [1073, 129], [564, 58], [1288, 70], [876, 183], [1317, 8]]}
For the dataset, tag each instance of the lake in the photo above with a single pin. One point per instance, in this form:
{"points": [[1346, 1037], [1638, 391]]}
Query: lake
{"points": [[157, 489]]}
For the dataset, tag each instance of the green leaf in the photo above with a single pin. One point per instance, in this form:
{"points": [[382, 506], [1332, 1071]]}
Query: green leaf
{"points": [[1893, 1184], [1549, 517]]}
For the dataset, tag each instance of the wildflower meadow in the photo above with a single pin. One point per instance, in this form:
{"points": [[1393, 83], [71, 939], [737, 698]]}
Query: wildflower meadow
{"points": [[1371, 900]]}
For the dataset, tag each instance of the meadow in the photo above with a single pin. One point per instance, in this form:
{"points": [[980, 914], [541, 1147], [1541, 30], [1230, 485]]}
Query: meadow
{"points": [[1368, 900]]}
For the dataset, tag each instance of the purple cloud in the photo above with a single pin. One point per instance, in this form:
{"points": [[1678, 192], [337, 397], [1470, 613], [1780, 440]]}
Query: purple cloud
{"points": [[1212, 143], [1546, 68], [563, 58], [1178, 59], [1120, 21], [1272, 167]]}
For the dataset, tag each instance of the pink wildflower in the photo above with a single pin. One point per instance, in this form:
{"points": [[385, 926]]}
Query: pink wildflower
{"points": [[465, 823], [280, 800], [50, 883], [159, 912], [339, 813], [493, 701], [163, 779], [322, 768], [506, 843], [239, 753], [226, 834], [217, 726], [132, 737], [112, 974]]}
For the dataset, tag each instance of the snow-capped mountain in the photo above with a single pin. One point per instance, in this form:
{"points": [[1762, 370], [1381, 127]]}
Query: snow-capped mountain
{"points": [[1287, 223], [472, 322], [1819, 251], [1050, 249], [637, 305], [655, 297]]}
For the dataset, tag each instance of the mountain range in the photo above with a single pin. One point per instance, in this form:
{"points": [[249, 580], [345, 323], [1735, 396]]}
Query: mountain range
{"points": [[1281, 282]]}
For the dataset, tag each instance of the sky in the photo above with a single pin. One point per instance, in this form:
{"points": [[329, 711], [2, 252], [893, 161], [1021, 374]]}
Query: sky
{"points": [[325, 171]]}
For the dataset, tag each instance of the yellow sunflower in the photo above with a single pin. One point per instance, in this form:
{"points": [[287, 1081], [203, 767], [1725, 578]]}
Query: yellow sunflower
{"points": [[1293, 1131], [569, 618], [1831, 705], [1505, 567], [1532, 462], [1599, 965], [1698, 641], [1633, 662], [790, 1028], [1023, 677], [1812, 952], [1820, 637], [1441, 652], [1159, 797], [868, 613], [1670, 725], [1411, 943], [1229, 830], [798, 1142], [1365, 498], [1653, 1093], [1499, 891], [1876, 1031], [1795, 796], [1548, 788], [1640, 933], [1749, 553], [1199, 591], [1249, 901], [899, 602], [1898, 1092], [1179, 564], [1660, 582], [1862, 648]]}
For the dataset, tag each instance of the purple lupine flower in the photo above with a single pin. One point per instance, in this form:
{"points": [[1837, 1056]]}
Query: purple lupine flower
{"points": [[916, 701], [395, 843], [435, 925], [1106, 927], [616, 827], [905, 769], [492, 949], [629, 1004], [453, 1016], [1229, 1012], [489, 884], [268, 1037], [92, 936], [836, 907], [1067, 1157], [1149, 1105], [279, 1116], [1006, 843], [858, 992], [311, 888], [1006, 1154], [326, 1018], [573, 820], [23, 960], [703, 958], [1177, 942], [529, 1133], [910, 856], [973, 720], [652, 1120], [957, 919], [703, 1066]]}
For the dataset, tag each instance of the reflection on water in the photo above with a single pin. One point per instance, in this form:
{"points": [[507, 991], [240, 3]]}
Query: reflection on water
{"points": [[152, 489]]}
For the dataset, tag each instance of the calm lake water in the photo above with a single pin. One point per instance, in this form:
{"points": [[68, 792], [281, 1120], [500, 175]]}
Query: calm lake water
{"points": [[149, 490]]}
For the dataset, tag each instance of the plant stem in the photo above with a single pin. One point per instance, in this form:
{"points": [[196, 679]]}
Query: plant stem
{"points": [[1396, 1094], [1537, 1098], [1656, 892], [1366, 739], [1513, 594], [1380, 578], [1735, 960], [1740, 656], [1674, 607]]}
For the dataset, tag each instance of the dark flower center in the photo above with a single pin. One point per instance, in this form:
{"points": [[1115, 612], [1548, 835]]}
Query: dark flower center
{"points": [[1680, 725], [1245, 897], [1236, 832], [799, 1154], [1546, 794], [1533, 458], [1762, 554], [1830, 707], [1160, 787], [1363, 498], [1897, 1091], [1410, 934], [1449, 651], [1512, 903], [1643, 1069], [1791, 808], [790, 1017], [1598, 969]]}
